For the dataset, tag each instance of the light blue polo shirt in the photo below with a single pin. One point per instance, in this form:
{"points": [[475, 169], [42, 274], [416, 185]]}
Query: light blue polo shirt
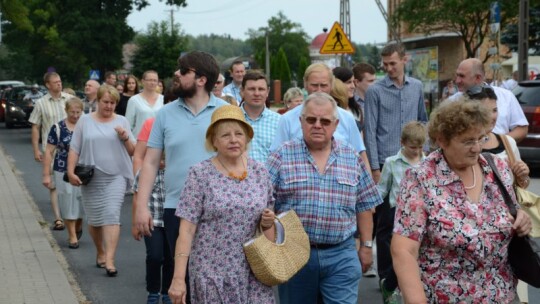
{"points": [[182, 134], [290, 128], [264, 132]]}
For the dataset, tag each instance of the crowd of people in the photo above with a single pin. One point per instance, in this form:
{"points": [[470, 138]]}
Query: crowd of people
{"points": [[356, 158]]}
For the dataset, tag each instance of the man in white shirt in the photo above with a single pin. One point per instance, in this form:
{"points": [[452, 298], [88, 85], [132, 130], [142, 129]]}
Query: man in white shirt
{"points": [[511, 119]]}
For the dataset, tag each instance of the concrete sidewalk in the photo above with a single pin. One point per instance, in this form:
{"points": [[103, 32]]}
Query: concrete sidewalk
{"points": [[30, 269]]}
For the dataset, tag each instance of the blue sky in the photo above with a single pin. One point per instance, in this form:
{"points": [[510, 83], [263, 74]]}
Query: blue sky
{"points": [[235, 17]]}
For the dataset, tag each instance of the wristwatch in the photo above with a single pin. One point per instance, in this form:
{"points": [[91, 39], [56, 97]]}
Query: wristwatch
{"points": [[368, 244]]}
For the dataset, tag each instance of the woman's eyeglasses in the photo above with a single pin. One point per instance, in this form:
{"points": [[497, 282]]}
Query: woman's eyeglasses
{"points": [[471, 143], [313, 120]]}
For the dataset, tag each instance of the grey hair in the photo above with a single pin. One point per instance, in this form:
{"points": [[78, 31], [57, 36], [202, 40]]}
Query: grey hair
{"points": [[321, 98]]}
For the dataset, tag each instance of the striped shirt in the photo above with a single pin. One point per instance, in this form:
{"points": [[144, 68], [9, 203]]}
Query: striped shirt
{"points": [[391, 175], [48, 111], [264, 132], [326, 203], [387, 109]]}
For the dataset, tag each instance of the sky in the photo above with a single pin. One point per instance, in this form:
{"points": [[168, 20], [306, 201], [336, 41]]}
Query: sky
{"points": [[235, 17]]}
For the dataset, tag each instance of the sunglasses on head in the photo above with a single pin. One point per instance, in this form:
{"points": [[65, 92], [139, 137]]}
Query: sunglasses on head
{"points": [[313, 120], [480, 91]]}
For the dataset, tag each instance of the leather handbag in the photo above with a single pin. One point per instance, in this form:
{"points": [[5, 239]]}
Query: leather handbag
{"points": [[84, 172], [529, 202], [276, 262], [523, 252]]}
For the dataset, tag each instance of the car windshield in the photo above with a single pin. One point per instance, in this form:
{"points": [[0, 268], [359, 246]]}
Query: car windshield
{"points": [[528, 95]]}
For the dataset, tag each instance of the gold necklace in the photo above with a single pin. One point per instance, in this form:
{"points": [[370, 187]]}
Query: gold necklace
{"points": [[231, 174]]}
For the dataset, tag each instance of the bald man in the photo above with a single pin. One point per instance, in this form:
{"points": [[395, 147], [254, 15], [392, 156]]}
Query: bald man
{"points": [[511, 119], [90, 100]]}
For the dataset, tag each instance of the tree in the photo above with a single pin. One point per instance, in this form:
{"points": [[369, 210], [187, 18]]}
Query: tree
{"points": [[281, 70], [302, 66], [158, 49], [222, 47], [509, 35], [282, 33], [70, 36], [468, 19]]}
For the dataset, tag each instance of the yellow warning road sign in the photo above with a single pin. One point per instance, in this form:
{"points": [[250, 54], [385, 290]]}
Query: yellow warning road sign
{"points": [[337, 42]]}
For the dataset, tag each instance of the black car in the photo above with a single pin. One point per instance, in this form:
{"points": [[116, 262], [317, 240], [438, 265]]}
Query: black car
{"points": [[18, 108], [528, 95]]}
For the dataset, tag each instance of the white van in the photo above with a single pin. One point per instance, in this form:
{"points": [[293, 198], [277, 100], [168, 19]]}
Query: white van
{"points": [[10, 83]]}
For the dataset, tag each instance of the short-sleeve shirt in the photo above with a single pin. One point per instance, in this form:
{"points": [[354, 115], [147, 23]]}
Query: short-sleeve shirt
{"points": [[289, 128], [61, 144], [463, 255], [264, 131], [48, 111], [327, 203], [139, 110], [181, 134]]}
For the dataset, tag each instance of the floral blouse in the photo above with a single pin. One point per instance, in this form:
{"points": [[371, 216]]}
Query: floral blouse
{"points": [[62, 145], [463, 256]]}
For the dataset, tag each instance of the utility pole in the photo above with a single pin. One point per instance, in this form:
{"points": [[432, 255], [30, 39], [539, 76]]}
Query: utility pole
{"points": [[392, 30], [345, 21], [171, 11], [0, 27], [523, 40], [267, 58]]}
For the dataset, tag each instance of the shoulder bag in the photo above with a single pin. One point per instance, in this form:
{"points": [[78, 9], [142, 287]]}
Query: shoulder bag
{"points": [[529, 202], [275, 263], [523, 252]]}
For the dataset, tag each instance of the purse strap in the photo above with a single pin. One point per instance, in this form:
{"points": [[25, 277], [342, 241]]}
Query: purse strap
{"points": [[506, 195]]}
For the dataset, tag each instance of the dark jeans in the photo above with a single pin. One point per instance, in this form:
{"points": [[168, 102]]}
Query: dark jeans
{"points": [[385, 225], [159, 262], [172, 224]]}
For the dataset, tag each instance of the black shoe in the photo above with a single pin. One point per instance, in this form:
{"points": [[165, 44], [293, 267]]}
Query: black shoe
{"points": [[79, 234], [111, 272], [73, 245]]}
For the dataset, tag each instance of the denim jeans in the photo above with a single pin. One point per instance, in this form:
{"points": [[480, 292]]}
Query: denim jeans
{"points": [[159, 262], [334, 272]]}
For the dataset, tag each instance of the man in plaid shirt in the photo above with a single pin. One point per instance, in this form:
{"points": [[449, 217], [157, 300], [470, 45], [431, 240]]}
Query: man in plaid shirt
{"points": [[328, 186]]}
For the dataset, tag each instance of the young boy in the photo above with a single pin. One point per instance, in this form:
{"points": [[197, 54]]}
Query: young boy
{"points": [[410, 155]]}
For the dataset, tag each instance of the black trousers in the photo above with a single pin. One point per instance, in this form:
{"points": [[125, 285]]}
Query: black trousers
{"points": [[172, 224]]}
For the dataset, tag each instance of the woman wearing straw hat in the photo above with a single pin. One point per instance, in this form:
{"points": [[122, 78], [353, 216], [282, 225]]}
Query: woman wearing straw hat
{"points": [[224, 199]]}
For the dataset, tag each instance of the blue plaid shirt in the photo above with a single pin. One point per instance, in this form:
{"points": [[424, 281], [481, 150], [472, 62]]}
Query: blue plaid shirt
{"points": [[326, 203], [264, 130], [157, 198]]}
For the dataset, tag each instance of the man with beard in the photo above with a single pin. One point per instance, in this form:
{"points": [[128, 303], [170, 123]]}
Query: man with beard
{"points": [[179, 130]]}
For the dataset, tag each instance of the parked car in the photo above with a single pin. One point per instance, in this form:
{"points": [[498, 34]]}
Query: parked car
{"points": [[10, 84], [6, 85], [528, 95], [18, 109]]}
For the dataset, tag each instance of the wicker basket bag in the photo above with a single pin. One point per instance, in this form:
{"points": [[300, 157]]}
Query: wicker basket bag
{"points": [[275, 263]]}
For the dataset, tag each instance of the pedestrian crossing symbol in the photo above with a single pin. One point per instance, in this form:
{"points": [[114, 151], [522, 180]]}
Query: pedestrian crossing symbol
{"points": [[94, 74], [337, 42]]}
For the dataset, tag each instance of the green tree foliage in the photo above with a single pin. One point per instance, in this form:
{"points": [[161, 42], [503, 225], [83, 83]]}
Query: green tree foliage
{"points": [[158, 49], [302, 66], [282, 33], [222, 47], [17, 13], [368, 53], [70, 36], [469, 19], [281, 70], [510, 34]]}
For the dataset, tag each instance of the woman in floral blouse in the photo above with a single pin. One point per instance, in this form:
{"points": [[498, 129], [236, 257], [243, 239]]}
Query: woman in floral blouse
{"points": [[452, 226]]}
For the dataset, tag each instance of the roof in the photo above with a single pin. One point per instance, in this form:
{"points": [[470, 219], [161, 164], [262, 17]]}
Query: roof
{"points": [[318, 41]]}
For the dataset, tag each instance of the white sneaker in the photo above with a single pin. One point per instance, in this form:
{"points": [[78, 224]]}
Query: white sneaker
{"points": [[370, 273]]}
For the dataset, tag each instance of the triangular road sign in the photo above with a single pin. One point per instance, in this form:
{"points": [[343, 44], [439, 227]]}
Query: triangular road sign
{"points": [[337, 42]]}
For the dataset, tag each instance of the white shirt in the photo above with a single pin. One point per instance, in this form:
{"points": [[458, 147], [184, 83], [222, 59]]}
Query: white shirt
{"points": [[510, 113], [139, 110]]}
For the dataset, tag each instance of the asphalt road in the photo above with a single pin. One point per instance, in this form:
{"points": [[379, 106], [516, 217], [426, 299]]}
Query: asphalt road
{"points": [[129, 286]]}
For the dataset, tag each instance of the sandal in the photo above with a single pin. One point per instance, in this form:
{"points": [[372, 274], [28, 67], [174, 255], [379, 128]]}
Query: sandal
{"points": [[79, 234], [58, 225], [73, 245]]}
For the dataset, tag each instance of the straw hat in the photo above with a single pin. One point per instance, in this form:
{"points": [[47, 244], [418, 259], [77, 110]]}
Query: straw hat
{"points": [[228, 112]]}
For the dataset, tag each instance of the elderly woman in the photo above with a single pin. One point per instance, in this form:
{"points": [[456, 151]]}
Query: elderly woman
{"points": [[224, 199], [103, 139], [452, 226], [69, 197], [292, 98]]}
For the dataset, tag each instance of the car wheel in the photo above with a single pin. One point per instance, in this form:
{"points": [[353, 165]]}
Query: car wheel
{"points": [[9, 125]]}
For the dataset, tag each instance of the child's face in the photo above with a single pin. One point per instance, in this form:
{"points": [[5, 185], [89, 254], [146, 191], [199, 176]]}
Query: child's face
{"points": [[411, 150]]}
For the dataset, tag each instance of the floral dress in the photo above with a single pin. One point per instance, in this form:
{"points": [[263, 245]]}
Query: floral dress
{"points": [[62, 145], [463, 256], [227, 212]]}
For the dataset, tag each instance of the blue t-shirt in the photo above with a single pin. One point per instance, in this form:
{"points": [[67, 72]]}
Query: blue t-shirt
{"points": [[62, 145], [182, 136], [289, 128]]}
